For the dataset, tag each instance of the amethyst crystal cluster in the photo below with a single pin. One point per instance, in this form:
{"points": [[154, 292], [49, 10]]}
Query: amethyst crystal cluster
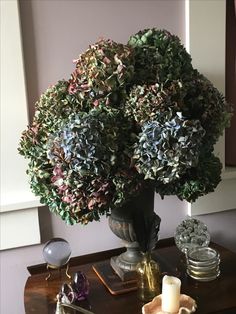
{"points": [[77, 290]]}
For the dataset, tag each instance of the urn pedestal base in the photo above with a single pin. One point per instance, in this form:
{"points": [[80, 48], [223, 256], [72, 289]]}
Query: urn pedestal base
{"points": [[111, 280], [125, 264], [124, 274]]}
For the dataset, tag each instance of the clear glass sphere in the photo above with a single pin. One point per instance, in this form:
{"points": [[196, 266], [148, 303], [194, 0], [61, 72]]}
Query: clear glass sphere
{"points": [[191, 233], [56, 252]]}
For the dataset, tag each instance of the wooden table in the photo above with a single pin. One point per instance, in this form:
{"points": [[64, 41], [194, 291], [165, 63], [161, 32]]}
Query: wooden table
{"points": [[218, 296]]}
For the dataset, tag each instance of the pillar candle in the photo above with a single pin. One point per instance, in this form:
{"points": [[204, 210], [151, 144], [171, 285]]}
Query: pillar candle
{"points": [[170, 294]]}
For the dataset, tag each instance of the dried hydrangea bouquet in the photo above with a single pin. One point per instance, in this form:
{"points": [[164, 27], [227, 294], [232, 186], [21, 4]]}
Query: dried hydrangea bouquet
{"points": [[130, 117]]}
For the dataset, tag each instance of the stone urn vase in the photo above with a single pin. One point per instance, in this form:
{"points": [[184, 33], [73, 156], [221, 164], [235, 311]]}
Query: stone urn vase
{"points": [[121, 223]]}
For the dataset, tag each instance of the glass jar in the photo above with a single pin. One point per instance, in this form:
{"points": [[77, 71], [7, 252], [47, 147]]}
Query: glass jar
{"points": [[149, 278]]}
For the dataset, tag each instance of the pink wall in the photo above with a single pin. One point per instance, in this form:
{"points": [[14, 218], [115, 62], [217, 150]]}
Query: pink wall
{"points": [[54, 33]]}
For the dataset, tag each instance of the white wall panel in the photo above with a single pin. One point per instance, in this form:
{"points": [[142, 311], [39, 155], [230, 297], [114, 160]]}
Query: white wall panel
{"points": [[205, 41], [15, 191]]}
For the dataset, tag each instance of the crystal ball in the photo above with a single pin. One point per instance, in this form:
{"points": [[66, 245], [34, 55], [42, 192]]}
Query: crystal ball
{"points": [[56, 252]]}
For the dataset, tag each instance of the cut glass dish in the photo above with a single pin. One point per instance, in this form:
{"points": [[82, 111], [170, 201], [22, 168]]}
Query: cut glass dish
{"points": [[203, 263]]}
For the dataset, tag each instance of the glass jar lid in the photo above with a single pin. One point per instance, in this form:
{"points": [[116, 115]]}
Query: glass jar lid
{"points": [[203, 255]]}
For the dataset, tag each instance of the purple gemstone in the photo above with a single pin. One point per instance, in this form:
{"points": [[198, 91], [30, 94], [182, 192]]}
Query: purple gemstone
{"points": [[81, 285], [78, 290]]}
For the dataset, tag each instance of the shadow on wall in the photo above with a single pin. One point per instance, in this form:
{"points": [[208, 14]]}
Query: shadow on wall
{"points": [[222, 227], [45, 223], [30, 56]]}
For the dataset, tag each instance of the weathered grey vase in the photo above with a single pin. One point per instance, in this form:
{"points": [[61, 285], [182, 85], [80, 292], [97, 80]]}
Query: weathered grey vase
{"points": [[121, 224]]}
